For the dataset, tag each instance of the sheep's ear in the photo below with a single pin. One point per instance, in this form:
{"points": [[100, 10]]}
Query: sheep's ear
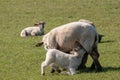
{"points": [[39, 44]]}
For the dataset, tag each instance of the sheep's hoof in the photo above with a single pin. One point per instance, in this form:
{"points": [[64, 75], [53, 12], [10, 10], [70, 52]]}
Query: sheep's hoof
{"points": [[81, 67], [99, 69], [92, 66]]}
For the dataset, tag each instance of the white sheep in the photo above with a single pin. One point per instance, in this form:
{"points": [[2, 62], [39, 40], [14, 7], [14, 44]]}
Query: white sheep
{"points": [[87, 21], [56, 58], [64, 38], [36, 30]]}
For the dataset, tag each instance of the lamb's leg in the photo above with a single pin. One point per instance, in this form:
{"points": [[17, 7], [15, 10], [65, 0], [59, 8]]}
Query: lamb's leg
{"points": [[43, 65], [33, 34], [53, 70], [42, 68], [72, 71], [56, 68]]}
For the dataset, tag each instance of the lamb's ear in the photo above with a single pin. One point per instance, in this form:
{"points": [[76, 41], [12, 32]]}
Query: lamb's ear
{"points": [[36, 24], [39, 44]]}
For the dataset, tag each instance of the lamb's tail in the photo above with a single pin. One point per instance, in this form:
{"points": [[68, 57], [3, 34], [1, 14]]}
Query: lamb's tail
{"points": [[39, 44]]}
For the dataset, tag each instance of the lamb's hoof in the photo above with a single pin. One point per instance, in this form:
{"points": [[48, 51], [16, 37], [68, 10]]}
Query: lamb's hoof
{"points": [[52, 71], [64, 73], [58, 71], [42, 74]]}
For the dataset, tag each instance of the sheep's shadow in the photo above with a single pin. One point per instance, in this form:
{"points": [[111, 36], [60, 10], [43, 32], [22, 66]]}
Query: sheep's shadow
{"points": [[107, 41], [105, 69]]}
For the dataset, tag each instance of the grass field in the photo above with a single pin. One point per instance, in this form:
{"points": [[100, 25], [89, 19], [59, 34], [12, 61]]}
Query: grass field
{"points": [[21, 60]]}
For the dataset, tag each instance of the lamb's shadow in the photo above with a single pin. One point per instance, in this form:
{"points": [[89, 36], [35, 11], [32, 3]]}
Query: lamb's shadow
{"points": [[105, 69]]}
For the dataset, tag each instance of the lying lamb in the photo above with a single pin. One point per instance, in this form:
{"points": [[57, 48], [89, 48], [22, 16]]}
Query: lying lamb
{"points": [[36, 30], [58, 58]]}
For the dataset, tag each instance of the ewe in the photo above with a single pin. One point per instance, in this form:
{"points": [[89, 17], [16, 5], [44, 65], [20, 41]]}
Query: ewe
{"points": [[36, 30], [64, 38], [56, 58], [87, 21]]}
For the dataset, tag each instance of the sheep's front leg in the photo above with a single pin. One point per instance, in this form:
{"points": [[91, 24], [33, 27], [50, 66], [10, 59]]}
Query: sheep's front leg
{"points": [[72, 71]]}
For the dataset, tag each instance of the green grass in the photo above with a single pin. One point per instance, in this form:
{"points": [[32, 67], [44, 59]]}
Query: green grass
{"points": [[21, 60]]}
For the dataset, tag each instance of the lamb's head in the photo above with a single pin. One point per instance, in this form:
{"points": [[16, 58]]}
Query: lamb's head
{"points": [[79, 51], [42, 24]]}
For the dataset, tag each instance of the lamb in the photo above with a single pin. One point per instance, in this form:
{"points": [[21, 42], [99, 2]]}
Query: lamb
{"points": [[57, 58], [64, 38], [36, 30]]}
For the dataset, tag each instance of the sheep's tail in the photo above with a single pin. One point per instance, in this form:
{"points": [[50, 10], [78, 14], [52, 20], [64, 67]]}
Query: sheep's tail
{"points": [[100, 37], [39, 44]]}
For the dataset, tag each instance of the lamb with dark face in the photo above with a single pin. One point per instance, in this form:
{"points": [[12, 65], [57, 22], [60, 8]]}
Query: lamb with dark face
{"points": [[36, 30]]}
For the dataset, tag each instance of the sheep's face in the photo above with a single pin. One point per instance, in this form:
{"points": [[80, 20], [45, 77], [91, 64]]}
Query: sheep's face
{"points": [[46, 47]]}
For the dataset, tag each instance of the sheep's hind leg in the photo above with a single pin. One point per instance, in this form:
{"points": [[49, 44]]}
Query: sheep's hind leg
{"points": [[95, 56], [84, 61]]}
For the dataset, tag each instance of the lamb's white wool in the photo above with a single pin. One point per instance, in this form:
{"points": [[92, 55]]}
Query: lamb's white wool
{"points": [[60, 59], [37, 29]]}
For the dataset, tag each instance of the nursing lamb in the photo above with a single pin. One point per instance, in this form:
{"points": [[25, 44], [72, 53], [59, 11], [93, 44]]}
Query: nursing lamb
{"points": [[56, 58], [36, 30], [64, 38]]}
